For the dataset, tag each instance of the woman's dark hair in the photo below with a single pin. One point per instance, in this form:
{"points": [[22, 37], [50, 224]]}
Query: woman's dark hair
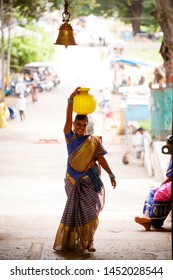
{"points": [[81, 117], [140, 129]]}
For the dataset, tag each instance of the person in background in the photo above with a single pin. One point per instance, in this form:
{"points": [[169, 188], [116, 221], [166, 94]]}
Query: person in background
{"points": [[105, 104], [21, 106], [90, 127], [3, 111], [139, 146], [34, 87], [84, 188], [157, 205], [20, 86]]}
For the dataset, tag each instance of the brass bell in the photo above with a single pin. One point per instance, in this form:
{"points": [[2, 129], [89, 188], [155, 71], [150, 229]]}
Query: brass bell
{"points": [[65, 36]]}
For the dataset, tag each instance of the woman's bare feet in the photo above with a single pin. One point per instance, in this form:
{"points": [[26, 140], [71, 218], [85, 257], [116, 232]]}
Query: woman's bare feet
{"points": [[91, 248], [144, 221]]}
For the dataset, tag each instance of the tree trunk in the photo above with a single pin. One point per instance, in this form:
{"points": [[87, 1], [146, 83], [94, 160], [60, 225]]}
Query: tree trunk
{"points": [[136, 10], [9, 45], [2, 51], [8, 56], [164, 15]]}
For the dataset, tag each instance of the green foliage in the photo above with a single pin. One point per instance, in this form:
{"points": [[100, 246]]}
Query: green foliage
{"points": [[101, 7], [145, 124], [31, 48], [128, 11], [28, 48], [147, 19], [79, 8], [124, 9], [34, 9]]}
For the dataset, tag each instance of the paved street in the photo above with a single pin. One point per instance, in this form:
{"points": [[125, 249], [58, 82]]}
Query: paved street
{"points": [[32, 195]]}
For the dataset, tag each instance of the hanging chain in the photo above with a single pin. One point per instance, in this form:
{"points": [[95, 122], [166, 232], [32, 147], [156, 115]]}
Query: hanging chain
{"points": [[66, 4], [66, 14]]}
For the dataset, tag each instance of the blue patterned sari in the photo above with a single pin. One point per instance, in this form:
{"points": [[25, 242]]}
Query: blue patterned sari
{"points": [[158, 210], [85, 193]]}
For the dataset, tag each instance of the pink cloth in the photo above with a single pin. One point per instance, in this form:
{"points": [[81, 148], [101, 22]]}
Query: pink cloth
{"points": [[163, 193]]}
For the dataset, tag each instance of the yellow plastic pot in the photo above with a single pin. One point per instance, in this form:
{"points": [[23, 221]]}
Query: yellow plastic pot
{"points": [[84, 103]]}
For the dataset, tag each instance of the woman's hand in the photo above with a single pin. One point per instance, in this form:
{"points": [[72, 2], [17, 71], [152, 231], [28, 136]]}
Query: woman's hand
{"points": [[113, 182], [104, 164], [76, 91]]}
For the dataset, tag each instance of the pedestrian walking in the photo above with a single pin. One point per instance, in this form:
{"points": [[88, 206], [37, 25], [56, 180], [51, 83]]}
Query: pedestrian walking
{"points": [[21, 106], [34, 87], [84, 188]]}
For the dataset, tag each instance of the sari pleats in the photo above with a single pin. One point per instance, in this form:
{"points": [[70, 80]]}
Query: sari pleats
{"points": [[75, 238], [80, 217], [84, 202]]}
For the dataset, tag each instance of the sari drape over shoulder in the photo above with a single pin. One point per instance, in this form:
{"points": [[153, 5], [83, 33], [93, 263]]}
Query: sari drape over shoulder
{"points": [[85, 193]]}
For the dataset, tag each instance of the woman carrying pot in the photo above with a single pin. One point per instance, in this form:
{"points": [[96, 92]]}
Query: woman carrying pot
{"points": [[83, 186]]}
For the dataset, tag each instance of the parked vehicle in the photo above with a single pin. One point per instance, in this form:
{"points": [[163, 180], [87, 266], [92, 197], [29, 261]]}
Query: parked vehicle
{"points": [[10, 90], [45, 70], [45, 85]]}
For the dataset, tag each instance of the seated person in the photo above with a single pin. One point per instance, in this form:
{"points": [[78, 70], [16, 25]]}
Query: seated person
{"points": [[158, 203], [141, 135]]}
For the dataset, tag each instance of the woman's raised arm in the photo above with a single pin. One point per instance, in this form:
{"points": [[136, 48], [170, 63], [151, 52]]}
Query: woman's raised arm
{"points": [[69, 111]]}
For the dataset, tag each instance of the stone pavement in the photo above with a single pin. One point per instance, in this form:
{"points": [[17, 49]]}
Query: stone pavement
{"points": [[32, 193]]}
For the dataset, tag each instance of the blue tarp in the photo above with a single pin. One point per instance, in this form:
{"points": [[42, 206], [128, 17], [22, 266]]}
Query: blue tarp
{"points": [[131, 61]]}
